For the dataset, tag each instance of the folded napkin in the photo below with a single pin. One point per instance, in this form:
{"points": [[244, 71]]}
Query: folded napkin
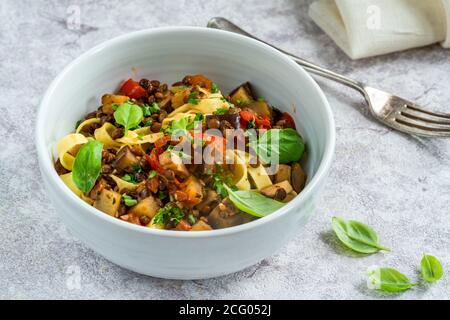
{"points": [[364, 28]]}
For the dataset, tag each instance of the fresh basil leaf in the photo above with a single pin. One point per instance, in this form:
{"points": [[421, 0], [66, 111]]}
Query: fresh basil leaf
{"points": [[431, 268], [357, 236], [388, 279], [87, 165], [128, 115], [253, 203], [285, 144]]}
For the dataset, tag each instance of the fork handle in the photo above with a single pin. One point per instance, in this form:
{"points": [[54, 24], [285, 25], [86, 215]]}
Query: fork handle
{"points": [[224, 24]]}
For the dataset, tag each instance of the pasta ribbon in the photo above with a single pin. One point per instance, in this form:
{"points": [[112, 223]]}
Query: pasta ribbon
{"points": [[123, 185], [140, 136], [167, 121], [68, 145], [205, 106], [258, 175], [87, 122], [240, 171], [103, 134], [67, 179]]}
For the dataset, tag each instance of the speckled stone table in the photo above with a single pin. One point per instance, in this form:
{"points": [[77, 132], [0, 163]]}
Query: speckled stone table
{"points": [[398, 184]]}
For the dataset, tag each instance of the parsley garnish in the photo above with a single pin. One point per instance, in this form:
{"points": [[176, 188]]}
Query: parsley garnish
{"points": [[214, 88], [220, 111], [129, 178], [78, 124], [152, 174], [192, 98], [251, 124], [191, 219], [149, 110], [128, 201], [168, 214]]}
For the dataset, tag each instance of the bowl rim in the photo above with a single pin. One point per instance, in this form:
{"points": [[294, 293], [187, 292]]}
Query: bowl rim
{"points": [[48, 169]]}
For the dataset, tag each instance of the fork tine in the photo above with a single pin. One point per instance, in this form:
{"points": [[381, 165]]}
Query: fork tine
{"points": [[425, 117], [426, 112], [421, 128]]}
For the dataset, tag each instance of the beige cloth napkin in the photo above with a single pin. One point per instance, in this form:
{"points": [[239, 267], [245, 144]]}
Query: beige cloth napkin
{"points": [[364, 28]]}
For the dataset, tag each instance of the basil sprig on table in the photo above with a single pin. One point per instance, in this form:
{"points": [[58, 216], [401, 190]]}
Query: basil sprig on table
{"points": [[128, 115], [388, 280], [286, 144], [431, 268], [252, 202], [87, 165], [357, 236]]}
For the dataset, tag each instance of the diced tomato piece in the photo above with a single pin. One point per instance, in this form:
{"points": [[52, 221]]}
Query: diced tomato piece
{"points": [[247, 116], [199, 80], [161, 142], [153, 160], [132, 89], [263, 122], [183, 226], [289, 120]]}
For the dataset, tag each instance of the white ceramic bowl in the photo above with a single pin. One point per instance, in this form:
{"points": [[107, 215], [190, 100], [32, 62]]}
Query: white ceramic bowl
{"points": [[169, 54]]}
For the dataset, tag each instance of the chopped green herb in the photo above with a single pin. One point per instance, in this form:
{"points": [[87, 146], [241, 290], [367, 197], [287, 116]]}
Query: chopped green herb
{"points": [[251, 124], [140, 136], [148, 123], [198, 118], [191, 219], [149, 110], [239, 102], [214, 88], [162, 195], [152, 174], [136, 168], [192, 98], [78, 124], [115, 106], [167, 215], [220, 111], [129, 178], [128, 201]]}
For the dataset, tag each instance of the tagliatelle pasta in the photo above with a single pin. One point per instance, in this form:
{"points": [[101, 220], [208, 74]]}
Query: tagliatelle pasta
{"points": [[103, 134], [122, 185], [67, 145], [67, 179], [204, 106], [86, 123]]}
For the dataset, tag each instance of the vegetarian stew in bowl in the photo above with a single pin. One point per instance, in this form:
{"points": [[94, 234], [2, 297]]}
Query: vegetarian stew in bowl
{"points": [[183, 157]]}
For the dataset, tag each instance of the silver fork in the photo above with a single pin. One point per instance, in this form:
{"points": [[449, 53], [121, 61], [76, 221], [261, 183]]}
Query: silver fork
{"points": [[395, 112]]}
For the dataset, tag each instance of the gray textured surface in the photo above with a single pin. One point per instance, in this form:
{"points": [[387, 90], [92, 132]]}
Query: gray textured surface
{"points": [[398, 184]]}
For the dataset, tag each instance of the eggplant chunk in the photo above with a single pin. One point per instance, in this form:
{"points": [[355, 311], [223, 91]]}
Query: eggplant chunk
{"points": [[283, 173], [108, 201], [170, 161], [278, 191], [201, 225], [290, 197], [225, 215], [194, 190], [146, 207], [242, 95], [298, 177], [233, 119], [108, 100], [261, 108], [125, 160]]}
